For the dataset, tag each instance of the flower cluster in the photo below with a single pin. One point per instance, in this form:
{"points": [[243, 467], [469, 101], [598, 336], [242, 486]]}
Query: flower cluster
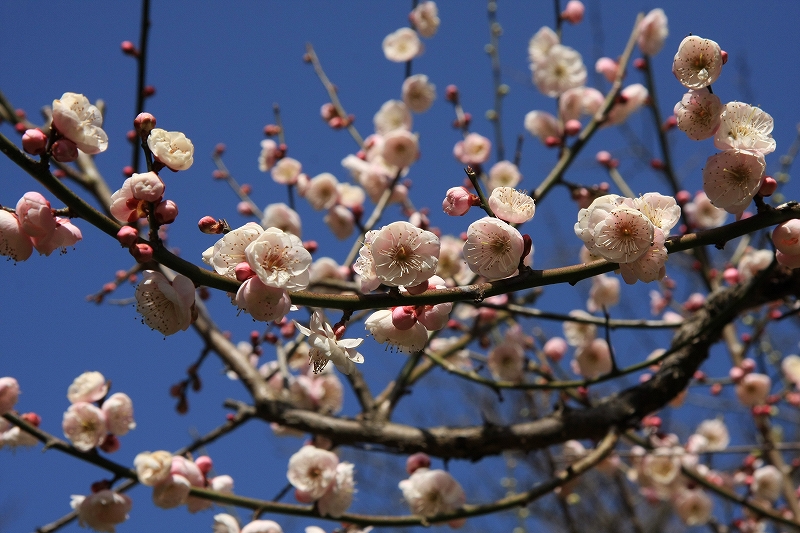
{"points": [[94, 419], [173, 476], [318, 476], [34, 225]]}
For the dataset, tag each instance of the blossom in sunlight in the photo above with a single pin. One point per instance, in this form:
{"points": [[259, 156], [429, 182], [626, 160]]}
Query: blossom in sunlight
{"points": [[663, 211], [279, 216], [744, 127], [559, 70], [312, 471], [542, 125], [418, 93], [425, 18], [9, 394], [172, 148], [164, 305], [268, 156], [589, 217], [540, 44], [651, 266], [13, 437], [402, 45], [716, 434], [118, 409], [404, 254], [431, 492], [702, 214], [286, 171], [393, 115], [321, 191], [592, 359], [579, 333], [623, 236], [382, 328], [698, 62], [603, 294], [262, 302], [365, 265], [130, 202], [79, 121], [506, 362], [753, 389], [14, 242], [693, 506], [511, 205], [790, 366], [698, 114], [732, 178], [229, 250], [631, 99], [340, 494], [503, 174], [65, 234], [786, 237], [88, 387], [102, 510], [325, 346], [35, 215], [225, 523], [351, 196], [475, 149], [653, 31], [279, 260], [153, 468], [493, 248], [84, 424], [400, 148]]}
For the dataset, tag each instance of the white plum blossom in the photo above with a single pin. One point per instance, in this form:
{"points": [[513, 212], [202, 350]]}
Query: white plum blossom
{"points": [[702, 214], [262, 302], [767, 483], [592, 359], [118, 409], [365, 264], [88, 387], [663, 211], [393, 115], [383, 330], [503, 174], [279, 260], [283, 217], [425, 18], [325, 346], [744, 127], [432, 492], [653, 32], [9, 394], [153, 468], [418, 93], [493, 248], [693, 506], [752, 262], [340, 494], [511, 205], [229, 250], [79, 121], [579, 333], [542, 125], [404, 254], [732, 178], [171, 148], [400, 148], [475, 149], [321, 191], [651, 265], [351, 196], [262, 526], [340, 221], [103, 510], [171, 492], [790, 366], [225, 523], [13, 437], [579, 101], [268, 155], [561, 69], [603, 294], [716, 434], [623, 236], [506, 362], [698, 114], [632, 98], [540, 44], [166, 306], [286, 171], [84, 424], [753, 389], [402, 45], [312, 471], [698, 62]]}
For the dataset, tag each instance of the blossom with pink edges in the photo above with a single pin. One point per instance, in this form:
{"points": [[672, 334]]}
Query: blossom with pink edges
{"points": [[506, 362], [457, 201], [228, 252], [418, 93], [402, 45], [312, 471], [603, 294], [340, 221], [129, 203], [431, 492], [14, 242], [767, 483], [651, 266], [166, 306], [339, 495], [753, 389], [786, 237], [365, 264], [698, 62], [663, 211], [171, 148], [425, 18], [9, 394], [65, 234], [118, 409], [732, 178], [702, 214], [511, 205], [383, 330], [744, 127], [631, 99], [698, 114], [35, 215], [88, 387], [653, 31], [279, 260], [404, 254], [493, 248], [608, 68], [475, 149], [400, 148], [579, 101], [622, 236], [262, 302], [579, 333], [716, 434], [84, 424], [103, 510], [79, 121], [555, 348], [321, 191]]}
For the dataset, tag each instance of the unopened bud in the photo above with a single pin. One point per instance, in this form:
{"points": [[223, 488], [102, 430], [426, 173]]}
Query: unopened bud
{"points": [[724, 55], [640, 63], [34, 141], [572, 127], [110, 444], [148, 91], [243, 271], [143, 253], [210, 225], [451, 93], [219, 149], [127, 236], [65, 151], [129, 49], [144, 124], [768, 186], [271, 129], [311, 246], [166, 212]]}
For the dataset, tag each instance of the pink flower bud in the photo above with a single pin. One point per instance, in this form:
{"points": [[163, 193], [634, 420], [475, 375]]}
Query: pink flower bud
{"points": [[244, 209], [288, 330], [302, 497], [748, 365], [555, 349], [418, 289], [551, 141], [731, 275], [404, 318], [209, 225], [243, 271], [457, 201], [127, 236], [572, 127], [417, 461], [149, 91], [736, 374], [110, 444], [204, 463], [327, 111], [670, 123], [129, 49], [683, 197], [127, 171], [607, 67], [311, 246], [271, 129], [768, 186], [143, 253], [144, 123], [166, 212], [724, 56], [219, 149], [603, 157], [695, 302], [573, 12], [451, 93], [34, 141], [65, 151]]}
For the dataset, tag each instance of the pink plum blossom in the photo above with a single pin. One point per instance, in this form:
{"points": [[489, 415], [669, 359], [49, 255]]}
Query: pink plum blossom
{"points": [[753, 389], [504, 174], [493, 248], [607, 67], [418, 93], [340, 221], [623, 236], [698, 62], [579, 101], [153, 468], [400, 148], [786, 237], [312, 471], [702, 214], [14, 242], [603, 294], [325, 346], [511, 205], [79, 121], [651, 265], [475, 149], [425, 18], [64, 235], [9, 394], [457, 201], [506, 362], [283, 217], [84, 424], [632, 98], [404, 254], [433, 492], [592, 359], [286, 171], [555, 348], [172, 148], [35, 216], [402, 45], [166, 306], [744, 127], [88, 387], [573, 11], [542, 125], [268, 156], [279, 260], [229, 250], [698, 114], [118, 409], [262, 302], [339, 495], [103, 510], [731, 179], [383, 330], [653, 32], [321, 191], [129, 203]]}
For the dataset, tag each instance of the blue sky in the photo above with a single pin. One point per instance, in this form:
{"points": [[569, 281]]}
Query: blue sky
{"points": [[217, 70]]}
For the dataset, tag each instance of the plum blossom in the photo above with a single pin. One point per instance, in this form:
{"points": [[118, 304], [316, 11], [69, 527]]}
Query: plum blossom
{"points": [[268, 155], [623, 235], [88, 387], [84, 424], [475, 149], [286, 171], [603, 294], [13, 437], [262, 526], [753, 389], [663, 211], [402, 45], [35, 215], [732, 178], [653, 32], [321, 191], [225, 523], [716, 434], [164, 305], [698, 114], [153, 468], [172, 148], [503, 174], [579, 101], [592, 359], [118, 410], [79, 121], [393, 115], [64, 235], [651, 265], [340, 494], [579, 333], [632, 98], [506, 362], [511, 205], [608, 68], [425, 19], [279, 260], [283, 217], [351, 196], [698, 62], [702, 214], [767, 483], [340, 221], [129, 203], [400, 148], [383, 330], [404, 254], [418, 93], [786, 237], [693, 506], [102, 510], [493, 248], [432, 492], [312, 471], [790, 366], [540, 44], [555, 348], [262, 302], [325, 346], [559, 69], [542, 125], [365, 264], [14, 242], [744, 127], [457, 201], [9, 394], [229, 250], [752, 262], [172, 492]]}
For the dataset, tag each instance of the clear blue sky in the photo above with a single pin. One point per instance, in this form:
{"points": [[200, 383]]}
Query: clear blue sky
{"points": [[217, 70]]}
